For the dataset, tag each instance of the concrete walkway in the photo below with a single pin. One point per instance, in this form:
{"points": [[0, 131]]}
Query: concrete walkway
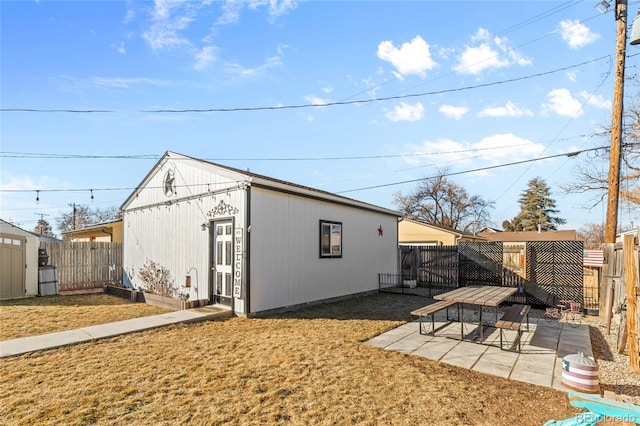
{"points": [[86, 334], [539, 362]]}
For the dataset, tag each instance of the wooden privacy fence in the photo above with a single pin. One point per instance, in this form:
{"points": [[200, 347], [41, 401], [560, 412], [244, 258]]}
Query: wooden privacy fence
{"points": [[620, 288], [85, 265]]}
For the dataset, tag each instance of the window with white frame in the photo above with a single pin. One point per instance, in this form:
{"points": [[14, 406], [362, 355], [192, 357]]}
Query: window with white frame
{"points": [[330, 239]]}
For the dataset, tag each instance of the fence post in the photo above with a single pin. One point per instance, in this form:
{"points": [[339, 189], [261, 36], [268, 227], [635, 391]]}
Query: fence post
{"points": [[630, 278]]}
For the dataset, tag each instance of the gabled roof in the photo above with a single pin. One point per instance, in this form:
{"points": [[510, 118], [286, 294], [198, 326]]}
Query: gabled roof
{"points": [[94, 226], [489, 229], [15, 228], [523, 236], [445, 229], [254, 179]]}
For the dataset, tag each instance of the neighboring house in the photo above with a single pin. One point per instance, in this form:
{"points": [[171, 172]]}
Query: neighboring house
{"points": [[524, 236], [19, 260], [47, 238], [416, 233], [110, 232], [251, 242]]}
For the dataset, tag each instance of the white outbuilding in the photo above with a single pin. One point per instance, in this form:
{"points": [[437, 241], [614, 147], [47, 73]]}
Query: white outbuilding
{"points": [[253, 243], [19, 262]]}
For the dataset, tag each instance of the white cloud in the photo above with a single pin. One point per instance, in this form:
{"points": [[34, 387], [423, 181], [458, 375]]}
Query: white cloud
{"points": [[406, 112], [282, 48], [245, 72], [371, 85], [490, 150], [278, 8], [507, 146], [130, 16], [205, 57], [597, 101], [492, 52], [170, 20], [508, 110], [562, 103], [119, 47], [125, 83], [576, 34], [316, 100], [410, 58], [232, 9], [474, 60], [166, 32], [452, 111]]}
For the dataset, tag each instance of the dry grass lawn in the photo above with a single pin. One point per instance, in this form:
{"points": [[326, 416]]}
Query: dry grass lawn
{"points": [[305, 367], [39, 315]]}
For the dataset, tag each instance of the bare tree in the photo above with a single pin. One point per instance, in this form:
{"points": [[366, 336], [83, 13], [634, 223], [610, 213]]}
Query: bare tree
{"points": [[81, 216], [592, 234], [442, 202], [591, 175]]}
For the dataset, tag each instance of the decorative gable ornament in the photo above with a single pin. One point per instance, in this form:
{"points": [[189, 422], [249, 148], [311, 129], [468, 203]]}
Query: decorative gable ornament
{"points": [[222, 209], [169, 183]]}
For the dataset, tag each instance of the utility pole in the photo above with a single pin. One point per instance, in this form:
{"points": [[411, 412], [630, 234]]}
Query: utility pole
{"points": [[611, 222], [75, 216]]}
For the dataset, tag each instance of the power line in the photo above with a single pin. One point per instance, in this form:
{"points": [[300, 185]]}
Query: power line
{"points": [[14, 154], [566, 154], [327, 104], [77, 111]]}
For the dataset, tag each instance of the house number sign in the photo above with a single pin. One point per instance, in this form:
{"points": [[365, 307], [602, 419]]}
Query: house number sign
{"points": [[237, 263]]}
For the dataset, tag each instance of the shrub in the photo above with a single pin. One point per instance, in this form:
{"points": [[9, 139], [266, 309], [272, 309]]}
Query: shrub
{"points": [[157, 279]]}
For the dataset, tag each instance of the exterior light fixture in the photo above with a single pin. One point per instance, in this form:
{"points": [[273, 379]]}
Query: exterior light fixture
{"points": [[603, 6]]}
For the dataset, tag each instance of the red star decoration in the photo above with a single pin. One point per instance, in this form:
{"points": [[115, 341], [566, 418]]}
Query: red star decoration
{"points": [[380, 231]]}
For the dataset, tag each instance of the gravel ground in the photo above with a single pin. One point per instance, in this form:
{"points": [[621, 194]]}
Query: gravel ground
{"points": [[615, 375]]}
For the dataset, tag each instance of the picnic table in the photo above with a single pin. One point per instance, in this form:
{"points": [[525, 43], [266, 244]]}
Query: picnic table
{"points": [[482, 295]]}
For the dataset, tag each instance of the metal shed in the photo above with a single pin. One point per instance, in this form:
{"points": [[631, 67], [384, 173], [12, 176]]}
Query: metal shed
{"points": [[19, 260], [251, 242]]}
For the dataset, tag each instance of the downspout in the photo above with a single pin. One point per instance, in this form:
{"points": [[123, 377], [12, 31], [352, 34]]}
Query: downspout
{"points": [[108, 233]]}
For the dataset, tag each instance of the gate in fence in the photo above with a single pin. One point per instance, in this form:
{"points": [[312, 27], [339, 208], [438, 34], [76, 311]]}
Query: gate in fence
{"points": [[543, 271]]}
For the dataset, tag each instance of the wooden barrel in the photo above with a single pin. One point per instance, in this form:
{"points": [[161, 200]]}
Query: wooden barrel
{"points": [[580, 373]]}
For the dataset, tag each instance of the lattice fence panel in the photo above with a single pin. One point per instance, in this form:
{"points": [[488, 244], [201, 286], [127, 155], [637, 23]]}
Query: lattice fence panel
{"points": [[554, 271], [480, 263]]}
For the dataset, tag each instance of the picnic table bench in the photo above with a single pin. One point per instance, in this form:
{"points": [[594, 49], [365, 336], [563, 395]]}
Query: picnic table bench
{"points": [[512, 320], [430, 310]]}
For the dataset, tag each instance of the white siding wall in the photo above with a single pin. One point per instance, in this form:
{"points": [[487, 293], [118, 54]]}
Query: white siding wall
{"points": [[285, 265], [31, 256], [171, 234]]}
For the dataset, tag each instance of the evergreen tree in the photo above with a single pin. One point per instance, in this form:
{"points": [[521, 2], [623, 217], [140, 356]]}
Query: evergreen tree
{"points": [[44, 228], [537, 209]]}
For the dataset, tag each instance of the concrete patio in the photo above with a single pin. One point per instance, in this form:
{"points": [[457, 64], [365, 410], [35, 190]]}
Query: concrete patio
{"points": [[540, 361]]}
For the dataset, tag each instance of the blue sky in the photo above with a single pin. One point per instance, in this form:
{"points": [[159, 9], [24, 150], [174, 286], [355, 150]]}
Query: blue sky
{"points": [[385, 92]]}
